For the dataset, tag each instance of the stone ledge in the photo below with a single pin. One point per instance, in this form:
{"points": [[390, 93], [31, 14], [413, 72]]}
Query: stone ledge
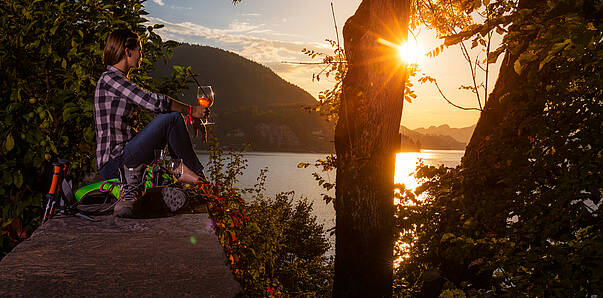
{"points": [[170, 256]]}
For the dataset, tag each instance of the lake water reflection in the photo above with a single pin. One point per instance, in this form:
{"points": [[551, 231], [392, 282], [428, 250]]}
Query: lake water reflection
{"points": [[284, 175], [406, 163]]}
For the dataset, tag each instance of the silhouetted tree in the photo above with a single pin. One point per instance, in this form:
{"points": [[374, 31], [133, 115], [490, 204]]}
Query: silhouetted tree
{"points": [[366, 141]]}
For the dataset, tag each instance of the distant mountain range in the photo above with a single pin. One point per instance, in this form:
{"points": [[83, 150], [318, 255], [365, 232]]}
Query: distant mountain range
{"points": [[253, 104], [460, 134], [441, 137]]}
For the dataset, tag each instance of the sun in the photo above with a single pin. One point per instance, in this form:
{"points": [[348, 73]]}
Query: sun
{"points": [[411, 52]]}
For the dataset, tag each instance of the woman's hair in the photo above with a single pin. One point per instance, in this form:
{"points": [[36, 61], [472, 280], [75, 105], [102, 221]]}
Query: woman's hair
{"points": [[117, 42]]}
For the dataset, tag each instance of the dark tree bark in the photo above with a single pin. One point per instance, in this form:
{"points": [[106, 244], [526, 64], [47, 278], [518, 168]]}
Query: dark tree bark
{"points": [[366, 141], [499, 141], [505, 98]]}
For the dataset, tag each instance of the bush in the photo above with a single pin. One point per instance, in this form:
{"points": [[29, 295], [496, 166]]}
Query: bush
{"points": [[286, 248], [274, 245]]}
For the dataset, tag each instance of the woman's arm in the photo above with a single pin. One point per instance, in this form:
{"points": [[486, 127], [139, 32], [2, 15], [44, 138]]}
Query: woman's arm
{"points": [[155, 102], [197, 112], [120, 86]]}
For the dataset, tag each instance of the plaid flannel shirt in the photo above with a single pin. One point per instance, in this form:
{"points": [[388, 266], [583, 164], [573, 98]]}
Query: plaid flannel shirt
{"points": [[115, 99]]}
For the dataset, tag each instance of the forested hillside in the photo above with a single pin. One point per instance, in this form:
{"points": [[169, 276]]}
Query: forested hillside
{"points": [[253, 105]]}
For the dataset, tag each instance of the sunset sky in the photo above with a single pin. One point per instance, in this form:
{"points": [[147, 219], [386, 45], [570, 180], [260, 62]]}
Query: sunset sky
{"points": [[270, 32]]}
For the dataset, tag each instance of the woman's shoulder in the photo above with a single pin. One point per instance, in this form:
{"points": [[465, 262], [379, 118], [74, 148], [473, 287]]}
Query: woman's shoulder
{"points": [[108, 80], [109, 76]]}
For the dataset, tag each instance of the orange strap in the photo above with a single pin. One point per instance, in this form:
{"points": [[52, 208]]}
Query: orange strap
{"points": [[56, 178]]}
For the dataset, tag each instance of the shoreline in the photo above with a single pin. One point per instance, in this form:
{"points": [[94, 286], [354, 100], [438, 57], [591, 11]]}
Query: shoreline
{"points": [[205, 152], [288, 152]]}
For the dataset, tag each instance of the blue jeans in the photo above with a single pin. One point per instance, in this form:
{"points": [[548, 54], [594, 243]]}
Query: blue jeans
{"points": [[165, 128]]}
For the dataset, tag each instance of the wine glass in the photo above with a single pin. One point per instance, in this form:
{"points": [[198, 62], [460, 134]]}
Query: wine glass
{"points": [[160, 154], [176, 167], [162, 158], [205, 97]]}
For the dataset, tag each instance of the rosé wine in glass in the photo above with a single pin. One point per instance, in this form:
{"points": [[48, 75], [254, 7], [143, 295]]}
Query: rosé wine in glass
{"points": [[205, 96]]}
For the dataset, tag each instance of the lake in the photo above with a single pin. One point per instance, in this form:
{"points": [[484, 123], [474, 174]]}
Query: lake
{"points": [[284, 175]]}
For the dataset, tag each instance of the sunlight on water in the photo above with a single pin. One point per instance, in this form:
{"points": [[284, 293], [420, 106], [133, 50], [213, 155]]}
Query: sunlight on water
{"points": [[406, 163]]}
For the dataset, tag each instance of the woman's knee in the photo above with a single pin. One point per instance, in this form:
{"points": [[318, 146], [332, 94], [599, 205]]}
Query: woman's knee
{"points": [[170, 119]]}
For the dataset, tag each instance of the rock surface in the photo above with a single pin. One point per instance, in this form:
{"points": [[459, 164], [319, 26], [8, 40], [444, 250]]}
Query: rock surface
{"points": [[170, 256]]}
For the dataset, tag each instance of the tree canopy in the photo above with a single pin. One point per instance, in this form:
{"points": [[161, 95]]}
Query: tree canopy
{"points": [[521, 215]]}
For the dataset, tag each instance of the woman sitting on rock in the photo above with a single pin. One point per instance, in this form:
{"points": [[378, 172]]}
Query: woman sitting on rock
{"points": [[120, 150]]}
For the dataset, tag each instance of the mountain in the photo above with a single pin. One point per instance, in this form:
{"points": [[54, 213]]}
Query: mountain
{"points": [[411, 139], [459, 134], [253, 105], [236, 81]]}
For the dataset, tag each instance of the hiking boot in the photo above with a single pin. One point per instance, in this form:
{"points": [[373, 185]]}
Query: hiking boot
{"points": [[131, 190], [124, 208]]}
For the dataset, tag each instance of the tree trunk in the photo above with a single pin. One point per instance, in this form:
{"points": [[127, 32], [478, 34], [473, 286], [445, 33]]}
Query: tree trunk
{"points": [[504, 98], [366, 141], [499, 142], [496, 155]]}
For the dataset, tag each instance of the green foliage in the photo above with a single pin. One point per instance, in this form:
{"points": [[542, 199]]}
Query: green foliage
{"points": [[50, 55], [328, 105], [440, 237], [325, 165], [288, 249], [274, 245], [329, 100], [521, 215]]}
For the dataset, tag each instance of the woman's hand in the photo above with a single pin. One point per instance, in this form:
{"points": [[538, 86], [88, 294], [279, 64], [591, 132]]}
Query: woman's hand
{"points": [[199, 112]]}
